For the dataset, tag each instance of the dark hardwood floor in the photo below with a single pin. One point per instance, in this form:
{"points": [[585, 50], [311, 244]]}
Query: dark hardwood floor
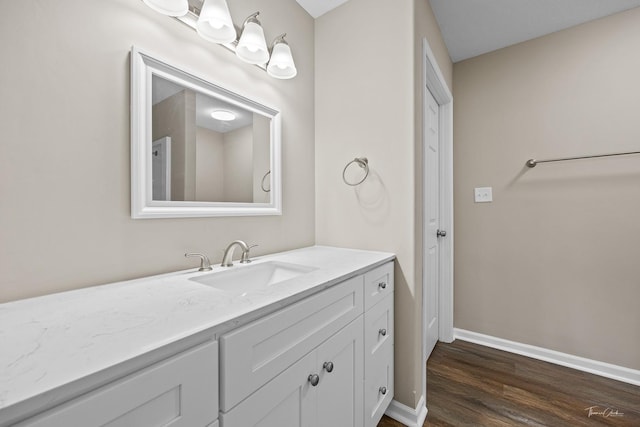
{"points": [[473, 385]]}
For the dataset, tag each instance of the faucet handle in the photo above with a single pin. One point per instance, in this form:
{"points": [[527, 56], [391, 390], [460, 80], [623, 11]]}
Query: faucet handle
{"points": [[205, 264], [245, 255]]}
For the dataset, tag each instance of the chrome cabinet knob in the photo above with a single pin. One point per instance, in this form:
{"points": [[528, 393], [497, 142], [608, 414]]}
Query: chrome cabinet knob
{"points": [[383, 332], [383, 390], [314, 379], [328, 366], [382, 285], [441, 233]]}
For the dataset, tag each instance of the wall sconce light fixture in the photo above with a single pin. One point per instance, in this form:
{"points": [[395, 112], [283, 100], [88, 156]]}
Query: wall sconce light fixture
{"points": [[214, 23], [281, 65], [252, 47]]}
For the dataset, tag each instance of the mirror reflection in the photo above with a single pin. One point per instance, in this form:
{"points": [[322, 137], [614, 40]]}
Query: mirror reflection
{"points": [[199, 149], [205, 149]]}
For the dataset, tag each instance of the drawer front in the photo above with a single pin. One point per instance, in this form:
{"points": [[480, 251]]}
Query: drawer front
{"points": [[252, 355], [181, 391], [378, 361], [378, 330], [378, 283], [378, 384]]}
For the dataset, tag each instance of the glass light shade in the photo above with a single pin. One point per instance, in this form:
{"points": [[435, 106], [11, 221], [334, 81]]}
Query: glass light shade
{"points": [[169, 7], [252, 47], [281, 65], [214, 23], [223, 115]]}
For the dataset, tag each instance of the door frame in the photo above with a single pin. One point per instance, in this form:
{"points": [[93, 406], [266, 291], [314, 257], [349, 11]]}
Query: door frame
{"points": [[434, 82]]}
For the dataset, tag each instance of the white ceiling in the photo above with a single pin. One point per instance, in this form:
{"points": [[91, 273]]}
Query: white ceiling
{"points": [[473, 27], [205, 105], [319, 7]]}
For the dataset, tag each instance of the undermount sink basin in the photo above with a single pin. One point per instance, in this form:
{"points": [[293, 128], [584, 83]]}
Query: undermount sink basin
{"points": [[242, 279]]}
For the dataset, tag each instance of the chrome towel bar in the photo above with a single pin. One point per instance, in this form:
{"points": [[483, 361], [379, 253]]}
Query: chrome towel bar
{"points": [[533, 162]]}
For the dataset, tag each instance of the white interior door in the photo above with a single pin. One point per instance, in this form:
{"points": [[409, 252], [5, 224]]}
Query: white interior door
{"points": [[161, 169], [431, 222]]}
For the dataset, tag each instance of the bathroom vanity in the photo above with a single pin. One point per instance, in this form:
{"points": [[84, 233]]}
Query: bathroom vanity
{"points": [[301, 338]]}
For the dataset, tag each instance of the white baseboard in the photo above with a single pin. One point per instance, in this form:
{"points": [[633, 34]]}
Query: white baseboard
{"points": [[603, 369], [406, 415]]}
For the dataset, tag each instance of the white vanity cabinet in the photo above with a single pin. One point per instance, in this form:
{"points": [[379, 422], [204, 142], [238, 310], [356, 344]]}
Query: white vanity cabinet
{"points": [[320, 362], [312, 351], [181, 391]]}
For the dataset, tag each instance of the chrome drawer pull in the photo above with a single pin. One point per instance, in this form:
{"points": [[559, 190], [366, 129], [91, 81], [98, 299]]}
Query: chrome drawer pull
{"points": [[328, 366], [383, 332], [314, 379], [383, 390], [382, 285]]}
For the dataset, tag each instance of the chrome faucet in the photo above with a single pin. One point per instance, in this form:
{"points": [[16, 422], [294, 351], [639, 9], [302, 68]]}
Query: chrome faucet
{"points": [[205, 265], [227, 258]]}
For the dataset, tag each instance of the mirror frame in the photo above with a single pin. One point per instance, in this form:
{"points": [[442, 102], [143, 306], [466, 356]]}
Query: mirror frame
{"points": [[143, 67]]}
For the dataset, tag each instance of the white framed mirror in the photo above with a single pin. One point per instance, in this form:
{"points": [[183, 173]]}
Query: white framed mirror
{"points": [[198, 149]]}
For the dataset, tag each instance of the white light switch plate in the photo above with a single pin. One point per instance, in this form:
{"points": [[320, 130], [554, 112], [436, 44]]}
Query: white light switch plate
{"points": [[484, 194]]}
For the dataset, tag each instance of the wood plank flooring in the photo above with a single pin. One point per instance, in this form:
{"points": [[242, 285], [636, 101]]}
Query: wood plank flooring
{"points": [[473, 385]]}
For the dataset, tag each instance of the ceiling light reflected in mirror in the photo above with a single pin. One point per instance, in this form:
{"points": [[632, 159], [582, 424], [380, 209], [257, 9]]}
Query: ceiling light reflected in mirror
{"points": [[223, 115]]}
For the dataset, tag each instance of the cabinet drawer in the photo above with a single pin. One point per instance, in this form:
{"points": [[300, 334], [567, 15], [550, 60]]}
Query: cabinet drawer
{"points": [[378, 349], [378, 283], [378, 330], [181, 391], [378, 375], [252, 355]]}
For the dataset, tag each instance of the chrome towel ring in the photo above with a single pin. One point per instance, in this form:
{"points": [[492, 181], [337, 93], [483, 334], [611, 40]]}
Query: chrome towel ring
{"points": [[363, 163], [266, 190]]}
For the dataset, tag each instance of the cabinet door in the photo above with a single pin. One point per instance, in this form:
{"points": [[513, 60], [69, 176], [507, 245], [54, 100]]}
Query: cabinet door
{"points": [[180, 391], [286, 401], [340, 400]]}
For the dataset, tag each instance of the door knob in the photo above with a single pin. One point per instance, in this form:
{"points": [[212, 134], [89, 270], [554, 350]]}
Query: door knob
{"points": [[441, 233]]}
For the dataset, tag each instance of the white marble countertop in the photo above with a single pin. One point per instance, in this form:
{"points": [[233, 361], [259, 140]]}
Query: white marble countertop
{"points": [[49, 341]]}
